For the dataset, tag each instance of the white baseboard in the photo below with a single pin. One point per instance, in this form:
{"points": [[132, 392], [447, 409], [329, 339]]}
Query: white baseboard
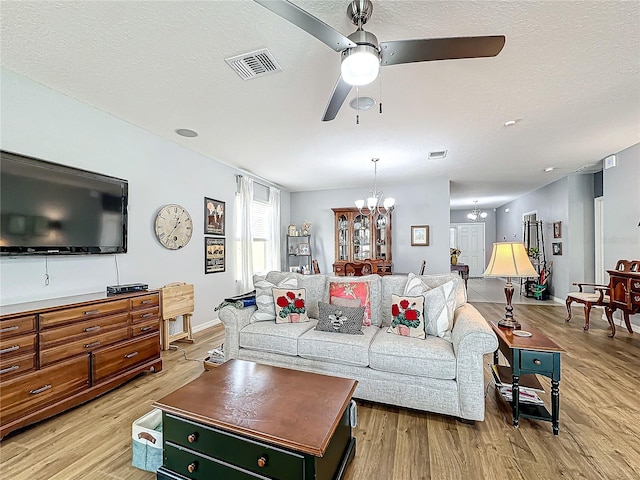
{"points": [[205, 325]]}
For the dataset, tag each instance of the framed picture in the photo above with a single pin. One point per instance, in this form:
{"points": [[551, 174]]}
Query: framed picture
{"points": [[213, 255], [213, 217], [557, 248], [304, 249], [419, 235], [557, 229]]}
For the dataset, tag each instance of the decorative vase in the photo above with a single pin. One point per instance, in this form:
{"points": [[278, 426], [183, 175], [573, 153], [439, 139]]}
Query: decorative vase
{"points": [[454, 259], [403, 330], [294, 317]]}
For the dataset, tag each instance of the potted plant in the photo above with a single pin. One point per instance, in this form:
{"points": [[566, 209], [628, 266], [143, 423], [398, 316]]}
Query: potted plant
{"points": [[454, 252]]}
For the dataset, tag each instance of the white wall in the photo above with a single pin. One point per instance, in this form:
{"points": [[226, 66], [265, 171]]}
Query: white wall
{"points": [[424, 203], [42, 123]]}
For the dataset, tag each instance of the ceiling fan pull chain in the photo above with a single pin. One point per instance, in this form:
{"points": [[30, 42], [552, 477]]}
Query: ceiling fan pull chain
{"points": [[357, 104], [380, 101]]}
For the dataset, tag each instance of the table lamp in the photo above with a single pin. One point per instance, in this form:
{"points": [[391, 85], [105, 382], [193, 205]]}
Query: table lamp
{"points": [[509, 259]]}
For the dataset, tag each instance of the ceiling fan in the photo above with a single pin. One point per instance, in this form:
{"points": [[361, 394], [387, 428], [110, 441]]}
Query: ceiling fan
{"points": [[362, 55]]}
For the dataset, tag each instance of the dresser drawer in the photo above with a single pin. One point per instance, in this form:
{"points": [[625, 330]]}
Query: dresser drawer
{"points": [[536, 361], [14, 366], [145, 301], [11, 347], [119, 358], [147, 314], [33, 391], [232, 448], [68, 315], [17, 326], [143, 328], [82, 345], [196, 466], [84, 329], [635, 284]]}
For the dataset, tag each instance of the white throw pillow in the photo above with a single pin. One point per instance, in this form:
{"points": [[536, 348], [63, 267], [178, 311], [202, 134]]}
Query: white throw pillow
{"points": [[264, 297], [415, 286], [439, 308]]}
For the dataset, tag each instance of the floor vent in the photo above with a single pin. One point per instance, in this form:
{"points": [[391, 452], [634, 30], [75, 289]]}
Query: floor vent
{"points": [[254, 64]]}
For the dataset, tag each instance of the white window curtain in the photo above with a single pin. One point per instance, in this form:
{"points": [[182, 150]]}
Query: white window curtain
{"points": [[245, 237], [273, 230]]}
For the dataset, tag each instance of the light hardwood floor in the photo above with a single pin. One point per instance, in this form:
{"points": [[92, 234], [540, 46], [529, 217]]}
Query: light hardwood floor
{"points": [[599, 422]]}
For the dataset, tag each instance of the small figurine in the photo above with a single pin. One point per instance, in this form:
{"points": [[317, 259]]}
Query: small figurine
{"points": [[306, 227]]}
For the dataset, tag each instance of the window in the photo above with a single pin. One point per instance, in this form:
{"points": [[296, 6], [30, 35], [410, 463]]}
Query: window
{"points": [[259, 244]]}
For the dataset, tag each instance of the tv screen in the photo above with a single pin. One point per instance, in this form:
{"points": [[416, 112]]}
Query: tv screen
{"points": [[49, 209]]}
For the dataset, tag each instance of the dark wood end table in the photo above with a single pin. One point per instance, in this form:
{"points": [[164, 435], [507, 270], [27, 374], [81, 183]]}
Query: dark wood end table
{"points": [[528, 357], [463, 271], [243, 420]]}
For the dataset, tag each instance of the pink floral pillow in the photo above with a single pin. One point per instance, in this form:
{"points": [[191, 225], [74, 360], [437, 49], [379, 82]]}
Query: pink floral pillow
{"points": [[407, 316], [290, 304], [351, 291]]}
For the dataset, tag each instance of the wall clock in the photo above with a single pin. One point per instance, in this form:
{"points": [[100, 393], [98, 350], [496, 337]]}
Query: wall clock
{"points": [[173, 226]]}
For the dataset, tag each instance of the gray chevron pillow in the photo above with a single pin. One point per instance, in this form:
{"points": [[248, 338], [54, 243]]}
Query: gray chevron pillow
{"points": [[338, 319], [264, 297]]}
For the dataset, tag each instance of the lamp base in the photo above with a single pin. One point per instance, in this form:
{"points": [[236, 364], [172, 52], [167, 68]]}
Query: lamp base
{"points": [[510, 323]]}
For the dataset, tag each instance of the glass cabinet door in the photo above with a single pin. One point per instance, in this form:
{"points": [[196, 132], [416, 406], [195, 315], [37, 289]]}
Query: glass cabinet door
{"points": [[361, 237], [381, 237], [342, 228]]}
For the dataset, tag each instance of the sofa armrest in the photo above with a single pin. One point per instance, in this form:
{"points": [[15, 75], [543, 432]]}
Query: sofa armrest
{"points": [[234, 320], [472, 338]]}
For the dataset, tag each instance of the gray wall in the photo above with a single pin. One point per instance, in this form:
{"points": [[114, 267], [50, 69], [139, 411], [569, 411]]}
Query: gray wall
{"points": [[413, 207]]}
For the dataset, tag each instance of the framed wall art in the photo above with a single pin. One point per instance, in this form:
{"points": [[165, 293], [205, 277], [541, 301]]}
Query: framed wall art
{"points": [[213, 217], [419, 235], [557, 248], [214, 255], [557, 229]]}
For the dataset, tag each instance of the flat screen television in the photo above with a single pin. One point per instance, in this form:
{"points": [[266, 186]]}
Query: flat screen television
{"points": [[52, 209]]}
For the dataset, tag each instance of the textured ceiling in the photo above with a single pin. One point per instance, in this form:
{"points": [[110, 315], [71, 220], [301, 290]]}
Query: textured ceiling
{"points": [[569, 70]]}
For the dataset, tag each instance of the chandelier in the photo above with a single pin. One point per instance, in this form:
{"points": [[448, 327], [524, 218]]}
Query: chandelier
{"points": [[476, 214], [375, 202]]}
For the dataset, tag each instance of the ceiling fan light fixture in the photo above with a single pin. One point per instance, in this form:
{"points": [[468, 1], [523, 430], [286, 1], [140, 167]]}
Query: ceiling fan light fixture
{"points": [[360, 65]]}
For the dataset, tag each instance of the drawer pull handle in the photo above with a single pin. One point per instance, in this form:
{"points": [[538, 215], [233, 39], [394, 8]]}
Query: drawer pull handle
{"points": [[146, 315], [144, 329], [192, 437], [40, 390], [92, 329], [537, 362], [144, 302], [91, 312], [10, 349], [91, 345], [262, 461], [9, 329], [9, 369], [131, 355], [192, 467]]}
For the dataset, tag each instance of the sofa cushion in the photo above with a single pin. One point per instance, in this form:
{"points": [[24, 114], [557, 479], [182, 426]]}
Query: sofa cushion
{"points": [[338, 319], [431, 357], [439, 309], [332, 348], [433, 281], [407, 316], [264, 295], [272, 337], [290, 305], [315, 286], [352, 290]]}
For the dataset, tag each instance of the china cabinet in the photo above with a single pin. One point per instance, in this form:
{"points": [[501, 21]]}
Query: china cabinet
{"points": [[360, 237]]}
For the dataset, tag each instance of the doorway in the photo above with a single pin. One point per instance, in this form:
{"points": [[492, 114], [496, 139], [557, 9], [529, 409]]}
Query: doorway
{"points": [[470, 238]]}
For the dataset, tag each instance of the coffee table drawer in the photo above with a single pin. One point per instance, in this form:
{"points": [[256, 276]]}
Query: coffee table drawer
{"points": [[233, 449], [536, 361]]}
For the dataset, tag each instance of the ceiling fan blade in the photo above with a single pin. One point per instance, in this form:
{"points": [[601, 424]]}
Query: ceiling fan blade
{"points": [[308, 23], [429, 49], [340, 92]]}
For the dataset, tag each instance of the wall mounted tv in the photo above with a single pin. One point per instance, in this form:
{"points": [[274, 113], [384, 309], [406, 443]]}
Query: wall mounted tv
{"points": [[52, 209]]}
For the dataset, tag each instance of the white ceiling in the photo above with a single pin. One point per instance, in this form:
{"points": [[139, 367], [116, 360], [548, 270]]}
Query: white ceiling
{"points": [[569, 70]]}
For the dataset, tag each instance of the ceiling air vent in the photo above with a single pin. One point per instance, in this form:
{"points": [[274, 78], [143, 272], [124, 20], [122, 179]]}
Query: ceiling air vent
{"points": [[437, 155], [254, 64]]}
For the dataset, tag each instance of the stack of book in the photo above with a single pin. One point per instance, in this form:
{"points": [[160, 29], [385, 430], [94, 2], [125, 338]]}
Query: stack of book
{"points": [[529, 385]]}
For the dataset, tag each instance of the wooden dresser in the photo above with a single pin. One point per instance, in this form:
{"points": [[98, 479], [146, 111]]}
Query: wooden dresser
{"points": [[56, 354]]}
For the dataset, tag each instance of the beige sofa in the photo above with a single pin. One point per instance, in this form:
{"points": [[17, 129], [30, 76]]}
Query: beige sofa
{"points": [[434, 374]]}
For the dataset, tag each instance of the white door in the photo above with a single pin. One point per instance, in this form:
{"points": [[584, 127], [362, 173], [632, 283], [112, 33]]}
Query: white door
{"points": [[470, 238]]}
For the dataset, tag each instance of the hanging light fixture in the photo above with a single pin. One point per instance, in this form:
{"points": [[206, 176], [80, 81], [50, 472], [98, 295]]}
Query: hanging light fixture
{"points": [[476, 214], [375, 202]]}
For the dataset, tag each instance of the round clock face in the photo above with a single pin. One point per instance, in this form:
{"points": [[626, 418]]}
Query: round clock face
{"points": [[173, 227]]}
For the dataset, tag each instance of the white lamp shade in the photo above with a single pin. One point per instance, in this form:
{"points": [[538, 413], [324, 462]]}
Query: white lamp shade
{"points": [[510, 259], [472, 216], [360, 66], [389, 203], [371, 203], [359, 204]]}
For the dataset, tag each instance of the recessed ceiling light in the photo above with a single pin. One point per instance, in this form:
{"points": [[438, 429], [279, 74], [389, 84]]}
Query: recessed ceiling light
{"points": [[185, 132], [362, 103], [511, 123], [549, 169]]}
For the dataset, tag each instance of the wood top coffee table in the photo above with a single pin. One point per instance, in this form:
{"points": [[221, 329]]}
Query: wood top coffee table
{"points": [[244, 420]]}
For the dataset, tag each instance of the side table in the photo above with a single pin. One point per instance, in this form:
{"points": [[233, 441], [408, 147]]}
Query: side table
{"points": [[530, 356]]}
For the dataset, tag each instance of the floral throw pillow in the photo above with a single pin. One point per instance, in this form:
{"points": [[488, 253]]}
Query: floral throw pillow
{"points": [[350, 291], [407, 316], [291, 306], [339, 319]]}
